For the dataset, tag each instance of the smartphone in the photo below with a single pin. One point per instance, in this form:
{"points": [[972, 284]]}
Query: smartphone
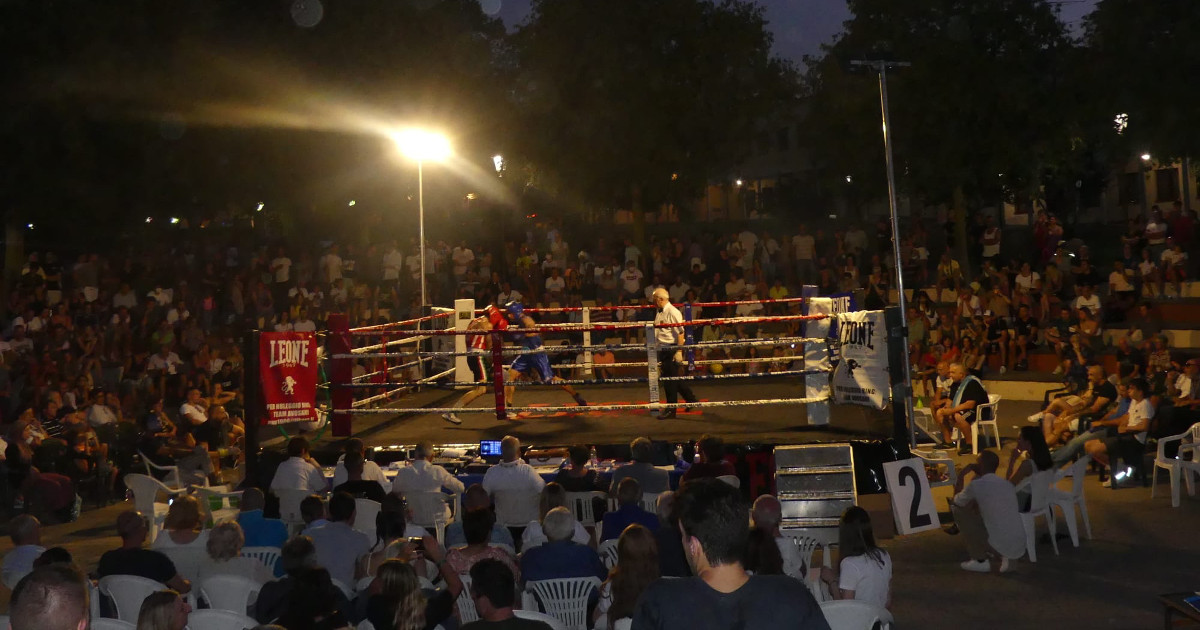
{"points": [[418, 542]]}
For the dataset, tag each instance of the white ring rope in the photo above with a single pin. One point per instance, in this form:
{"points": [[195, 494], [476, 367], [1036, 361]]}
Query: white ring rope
{"points": [[579, 409]]}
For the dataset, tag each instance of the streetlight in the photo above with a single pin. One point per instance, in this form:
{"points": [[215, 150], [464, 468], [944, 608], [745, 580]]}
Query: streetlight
{"points": [[421, 145], [1145, 157]]}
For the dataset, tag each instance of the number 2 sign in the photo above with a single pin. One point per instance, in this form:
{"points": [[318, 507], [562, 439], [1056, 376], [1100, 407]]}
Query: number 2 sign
{"points": [[912, 501]]}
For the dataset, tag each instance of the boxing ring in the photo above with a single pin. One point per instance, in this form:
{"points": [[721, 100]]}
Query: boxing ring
{"points": [[372, 368]]}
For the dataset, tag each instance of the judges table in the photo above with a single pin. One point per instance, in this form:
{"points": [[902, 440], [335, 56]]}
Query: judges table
{"points": [[547, 473]]}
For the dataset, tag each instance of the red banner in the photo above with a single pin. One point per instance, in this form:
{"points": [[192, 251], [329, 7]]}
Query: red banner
{"points": [[287, 363]]}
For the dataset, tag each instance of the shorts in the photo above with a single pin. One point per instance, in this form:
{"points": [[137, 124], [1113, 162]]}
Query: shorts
{"points": [[1072, 401], [968, 416], [537, 365], [477, 368]]}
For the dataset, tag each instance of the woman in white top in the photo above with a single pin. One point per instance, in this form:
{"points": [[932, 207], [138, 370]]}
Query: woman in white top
{"points": [[553, 495], [865, 570], [225, 557], [183, 527]]}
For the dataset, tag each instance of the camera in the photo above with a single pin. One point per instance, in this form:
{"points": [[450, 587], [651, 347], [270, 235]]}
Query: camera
{"points": [[417, 542]]}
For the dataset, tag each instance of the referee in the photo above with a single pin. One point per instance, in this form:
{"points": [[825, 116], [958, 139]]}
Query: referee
{"points": [[670, 359]]}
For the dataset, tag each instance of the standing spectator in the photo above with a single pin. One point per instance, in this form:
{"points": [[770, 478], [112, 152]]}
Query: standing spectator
{"points": [[989, 239], [330, 266], [631, 281], [713, 522], [985, 512], [804, 249], [1156, 234]]}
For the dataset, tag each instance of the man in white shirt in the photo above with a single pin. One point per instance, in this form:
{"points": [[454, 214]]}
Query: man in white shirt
{"points": [[509, 294], [303, 322], [393, 263], [804, 253], [512, 473], [371, 470], [631, 279], [100, 413], [767, 515], [987, 515], [1088, 300], [164, 361], [194, 410], [462, 257], [670, 355], [26, 534], [555, 285], [338, 544], [300, 471], [1129, 441], [678, 291], [330, 266], [422, 475], [124, 297]]}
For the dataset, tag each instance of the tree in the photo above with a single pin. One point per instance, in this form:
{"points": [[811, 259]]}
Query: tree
{"points": [[627, 102], [983, 110]]}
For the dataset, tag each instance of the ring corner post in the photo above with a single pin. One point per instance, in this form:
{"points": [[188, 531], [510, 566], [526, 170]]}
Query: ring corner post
{"points": [[253, 410], [498, 373], [899, 375], [652, 363], [340, 373], [816, 357], [464, 312]]}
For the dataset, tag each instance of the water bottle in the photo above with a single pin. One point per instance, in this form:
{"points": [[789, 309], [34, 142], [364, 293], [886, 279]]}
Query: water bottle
{"points": [[594, 461]]}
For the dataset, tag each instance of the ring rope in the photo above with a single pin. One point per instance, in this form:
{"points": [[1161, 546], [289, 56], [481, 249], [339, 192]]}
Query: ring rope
{"points": [[376, 329], [627, 307], [576, 408], [721, 321], [600, 381]]}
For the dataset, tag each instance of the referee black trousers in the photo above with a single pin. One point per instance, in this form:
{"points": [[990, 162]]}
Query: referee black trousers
{"points": [[669, 367]]}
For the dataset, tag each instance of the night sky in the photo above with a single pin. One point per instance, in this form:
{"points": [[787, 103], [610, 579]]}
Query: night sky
{"points": [[800, 26]]}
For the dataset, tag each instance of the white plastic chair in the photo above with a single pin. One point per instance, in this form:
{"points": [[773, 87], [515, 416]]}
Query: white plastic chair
{"points": [[624, 623], [1038, 484], [650, 501], [268, 556], [806, 546], [145, 491], [171, 478], [608, 552], [516, 508], [365, 624], [102, 623], [852, 614], [731, 480], [986, 416], [212, 619], [580, 504], [127, 593], [1177, 466], [533, 615], [566, 599], [187, 560], [466, 602], [1066, 501], [230, 592], [289, 508], [226, 509], [365, 511]]}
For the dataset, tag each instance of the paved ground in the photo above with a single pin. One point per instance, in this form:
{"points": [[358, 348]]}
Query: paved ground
{"points": [[1141, 547]]}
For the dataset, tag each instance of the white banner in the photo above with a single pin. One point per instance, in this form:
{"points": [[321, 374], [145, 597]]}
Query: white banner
{"points": [[861, 377]]}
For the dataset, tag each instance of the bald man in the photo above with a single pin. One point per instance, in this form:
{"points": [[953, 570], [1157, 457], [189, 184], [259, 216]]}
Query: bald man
{"points": [[670, 356], [54, 597], [767, 515]]}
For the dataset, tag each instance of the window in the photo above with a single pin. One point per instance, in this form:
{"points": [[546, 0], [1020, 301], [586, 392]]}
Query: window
{"points": [[1166, 180]]}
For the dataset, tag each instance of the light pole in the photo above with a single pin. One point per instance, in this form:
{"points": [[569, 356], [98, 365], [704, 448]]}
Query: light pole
{"points": [[421, 145], [880, 66]]}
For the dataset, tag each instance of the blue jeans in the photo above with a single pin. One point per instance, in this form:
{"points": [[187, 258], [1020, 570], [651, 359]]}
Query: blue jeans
{"points": [[1075, 446]]}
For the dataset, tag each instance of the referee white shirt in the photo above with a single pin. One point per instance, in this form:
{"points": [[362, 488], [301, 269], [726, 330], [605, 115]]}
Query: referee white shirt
{"points": [[668, 314]]}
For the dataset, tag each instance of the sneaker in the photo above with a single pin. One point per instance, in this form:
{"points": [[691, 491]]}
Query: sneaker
{"points": [[965, 449], [580, 401], [1057, 371], [977, 566], [451, 418], [1035, 418], [1004, 565], [1003, 369], [1107, 483]]}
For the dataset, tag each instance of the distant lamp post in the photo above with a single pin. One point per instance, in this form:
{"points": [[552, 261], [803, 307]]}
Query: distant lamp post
{"points": [[421, 145], [498, 162], [738, 183], [1145, 157]]}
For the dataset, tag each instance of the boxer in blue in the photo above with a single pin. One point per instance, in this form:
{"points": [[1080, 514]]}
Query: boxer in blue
{"points": [[534, 365]]}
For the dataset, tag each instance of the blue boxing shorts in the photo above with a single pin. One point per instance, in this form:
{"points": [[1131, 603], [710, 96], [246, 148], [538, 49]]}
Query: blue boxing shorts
{"points": [[536, 365]]}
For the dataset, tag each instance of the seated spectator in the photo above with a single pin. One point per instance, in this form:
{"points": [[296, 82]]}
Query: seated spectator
{"points": [[163, 610], [476, 498], [1129, 443], [767, 515], [392, 540], [53, 555], [996, 337], [864, 570], [131, 559], [477, 527], [371, 470], [553, 495], [54, 597], [579, 477], [636, 568], [183, 527], [338, 544], [672, 560], [313, 603], [312, 510], [395, 600], [1099, 429], [960, 413], [712, 460], [512, 474], [26, 534], [1186, 404], [225, 557], [1174, 265], [1023, 338], [629, 511], [560, 557], [1072, 413], [713, 522], [1030, 456], [762, 555], [49, 496], [355, 485], [987, 515], [300, 471], [259, 530], [493, 589], [422, 475], [297, 557]]}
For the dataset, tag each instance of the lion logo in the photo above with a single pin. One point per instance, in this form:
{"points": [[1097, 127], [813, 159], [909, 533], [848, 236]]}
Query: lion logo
{"points": [[289, 386]]}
